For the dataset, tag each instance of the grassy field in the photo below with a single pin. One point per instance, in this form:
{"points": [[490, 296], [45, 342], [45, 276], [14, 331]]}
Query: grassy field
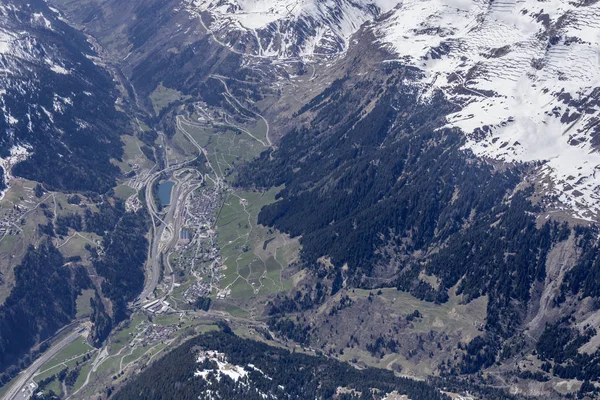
{"points": [[163, 96], [7, 386], [56, 387], [230, 309], [166, 319], [134, 354], [75, 245], [124, 192], [439, 326], [450, 316], [85, 369], [84, 309], [180, 146], [254, 255], [65, 357], [132, 154], [122, 337], [259, 130], [225, 146]]}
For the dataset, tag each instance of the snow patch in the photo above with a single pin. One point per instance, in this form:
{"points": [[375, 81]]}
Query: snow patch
{"points": [[60, 70], [40, 19], [235, 372], [5, 42], [60, 103], [18, 153], [56, 68]]}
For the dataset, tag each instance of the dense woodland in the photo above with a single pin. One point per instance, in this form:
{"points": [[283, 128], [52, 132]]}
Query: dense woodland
{"points": [[378, 192], [122, 265], [354, 186], [122, 261], [42, 301], [71, 148], [47, 284], [282, 374], [558, 347], [2, 180]]}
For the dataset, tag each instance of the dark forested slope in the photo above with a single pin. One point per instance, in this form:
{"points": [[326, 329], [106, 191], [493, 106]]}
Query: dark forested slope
{"points": [[373, 181], [271, 372], [46, 285], [57, 102], [42, 301]]}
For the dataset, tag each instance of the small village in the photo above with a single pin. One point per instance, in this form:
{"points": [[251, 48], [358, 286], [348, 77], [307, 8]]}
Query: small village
{"points": [[197, 251]]}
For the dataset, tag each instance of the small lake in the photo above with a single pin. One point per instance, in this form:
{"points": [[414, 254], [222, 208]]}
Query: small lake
{"points": [[164, 192]]}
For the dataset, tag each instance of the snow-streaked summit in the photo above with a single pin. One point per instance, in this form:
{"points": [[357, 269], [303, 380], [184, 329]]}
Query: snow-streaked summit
{"points": [[526, 74], [288, 28]]}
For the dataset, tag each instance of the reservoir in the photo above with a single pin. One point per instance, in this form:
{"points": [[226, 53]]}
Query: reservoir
{"points": [[164, 192]]}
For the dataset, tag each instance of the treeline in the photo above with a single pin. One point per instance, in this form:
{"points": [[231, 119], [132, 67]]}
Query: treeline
{"points": [[102, 322], [110, 211], [286, 327], [584, 278], [106, 218], [275, 372]]}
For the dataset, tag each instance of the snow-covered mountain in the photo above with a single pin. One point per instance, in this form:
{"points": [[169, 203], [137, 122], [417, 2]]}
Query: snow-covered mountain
{"points": [[288, 28], [20, 53], [527, 77], [525, 73]]}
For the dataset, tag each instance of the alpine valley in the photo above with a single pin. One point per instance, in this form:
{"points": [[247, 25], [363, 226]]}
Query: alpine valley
{"points": [[300, 199]]}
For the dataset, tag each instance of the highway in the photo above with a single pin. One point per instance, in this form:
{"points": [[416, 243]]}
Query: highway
{"points": [[159, 226], [16, 392], [170, 222]]}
